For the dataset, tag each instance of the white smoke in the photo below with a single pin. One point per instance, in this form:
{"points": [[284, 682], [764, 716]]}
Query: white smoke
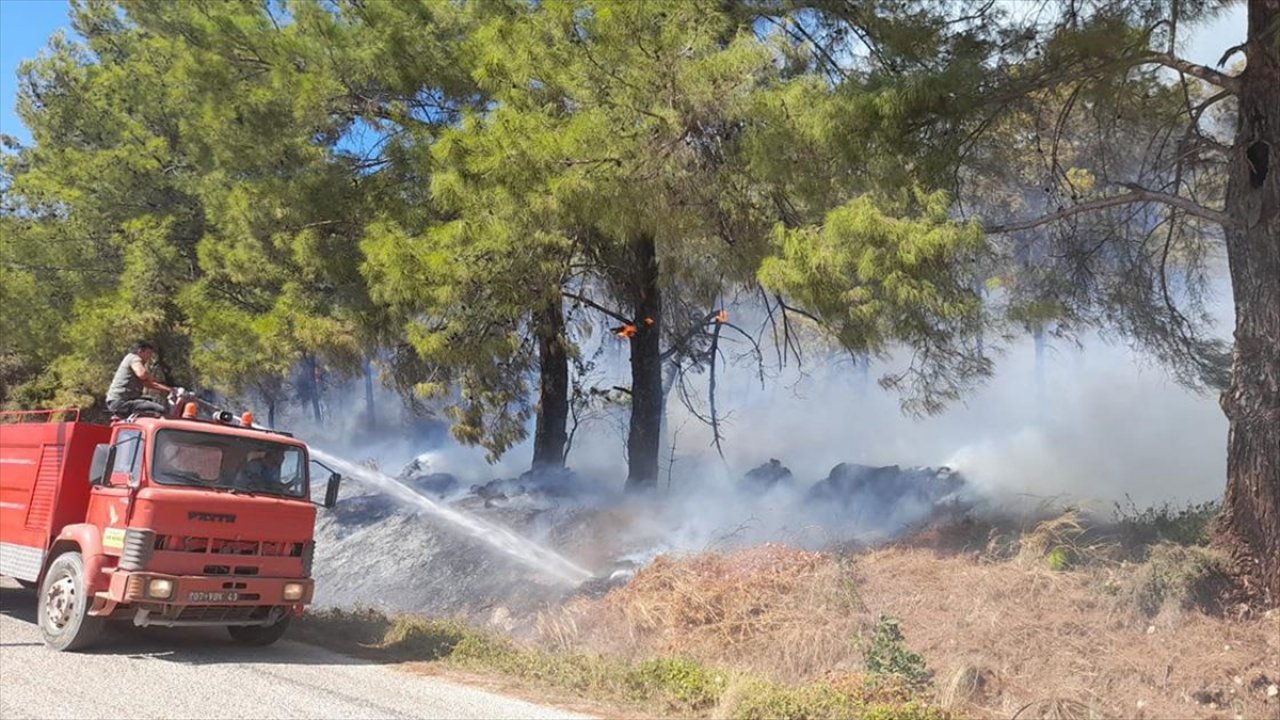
{"points": [[1092, 424], [1102, 425]]}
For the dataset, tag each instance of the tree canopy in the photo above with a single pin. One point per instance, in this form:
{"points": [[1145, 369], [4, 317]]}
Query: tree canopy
{"points": [[464, 194]]}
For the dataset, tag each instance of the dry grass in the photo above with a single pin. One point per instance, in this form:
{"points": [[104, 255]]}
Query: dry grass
{"points": [[666, 686], [1052, 617], [1044, 636], [756, 608], [1005, 630]]}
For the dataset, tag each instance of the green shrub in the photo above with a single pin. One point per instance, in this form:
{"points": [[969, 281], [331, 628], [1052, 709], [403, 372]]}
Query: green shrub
{"points": [[425, 639], [762, 700], [687, 682], [905, 711], [885, 654], [1060, 558], [1187, 526], [1186, 577]]}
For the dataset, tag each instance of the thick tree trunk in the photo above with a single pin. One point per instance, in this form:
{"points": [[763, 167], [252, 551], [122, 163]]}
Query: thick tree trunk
{"points": [[551, 433], [646, 371], [1251, 514]]}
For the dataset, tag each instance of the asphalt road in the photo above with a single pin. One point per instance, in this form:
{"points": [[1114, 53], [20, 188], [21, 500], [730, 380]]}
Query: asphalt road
{"points": [[166, 673]]}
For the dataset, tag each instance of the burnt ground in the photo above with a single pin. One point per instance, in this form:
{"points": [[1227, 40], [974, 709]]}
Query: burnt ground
{"points": [[375, 552]]}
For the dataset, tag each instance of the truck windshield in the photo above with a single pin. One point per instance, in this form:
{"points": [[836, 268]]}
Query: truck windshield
{"points": [[238, 464]]}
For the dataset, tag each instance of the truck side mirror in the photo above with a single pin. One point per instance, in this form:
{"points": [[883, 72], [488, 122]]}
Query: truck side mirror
{"points": [[104, 458], [331, 491]]}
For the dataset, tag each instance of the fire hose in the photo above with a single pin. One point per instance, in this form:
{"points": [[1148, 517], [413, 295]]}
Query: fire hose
{"points": [[180, 398]]}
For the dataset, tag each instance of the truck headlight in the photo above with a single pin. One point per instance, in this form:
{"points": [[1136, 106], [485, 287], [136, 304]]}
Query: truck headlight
{"points": [[160, 588], [293, 591]]}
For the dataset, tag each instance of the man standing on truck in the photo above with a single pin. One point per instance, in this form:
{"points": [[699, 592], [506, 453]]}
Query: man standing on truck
{"points": [[124, 397]]}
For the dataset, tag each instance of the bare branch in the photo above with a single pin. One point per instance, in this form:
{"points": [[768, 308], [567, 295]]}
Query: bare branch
{"points": [[597, 306], [1231, 51], [755, 346], [678, 344], [1198, 110], [569, 162], [716, 437], [788, 342], [1136, 195], [773, 324], [1207, 74], [798, 311]]}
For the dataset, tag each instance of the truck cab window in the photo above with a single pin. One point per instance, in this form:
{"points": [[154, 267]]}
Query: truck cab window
{"points": [[129, 455], [230, 463]]}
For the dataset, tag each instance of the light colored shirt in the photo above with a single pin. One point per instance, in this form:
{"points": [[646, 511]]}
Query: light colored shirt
{"points": [[126, 385]]}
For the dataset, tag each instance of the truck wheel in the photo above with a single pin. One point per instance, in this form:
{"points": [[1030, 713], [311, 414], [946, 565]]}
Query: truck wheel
{"points": [[63, 609], [258, 635]]}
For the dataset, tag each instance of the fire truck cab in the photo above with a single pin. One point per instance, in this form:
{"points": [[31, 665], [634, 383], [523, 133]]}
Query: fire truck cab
{"points": [[159, 520]]}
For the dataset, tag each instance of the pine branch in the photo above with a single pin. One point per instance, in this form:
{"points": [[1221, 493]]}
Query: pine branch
{"points": [[1136, 194], [1207, 74]]}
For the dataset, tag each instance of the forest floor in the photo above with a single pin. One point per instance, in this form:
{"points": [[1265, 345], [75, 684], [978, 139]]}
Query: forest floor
{"points": [[1063, 617]]}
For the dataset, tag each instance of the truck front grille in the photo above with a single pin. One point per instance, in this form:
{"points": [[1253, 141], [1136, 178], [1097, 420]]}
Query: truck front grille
{"points": [[221, 546], [227, 570]]}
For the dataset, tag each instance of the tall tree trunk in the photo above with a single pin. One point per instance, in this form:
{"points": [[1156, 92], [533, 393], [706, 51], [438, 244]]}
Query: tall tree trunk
{"points": [[370, 418], [551, 433], [313, 369], [646, 371], [1251, 513]]}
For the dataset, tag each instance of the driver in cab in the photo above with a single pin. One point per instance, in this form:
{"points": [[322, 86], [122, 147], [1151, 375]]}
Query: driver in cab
{"points": [[262, 471]]}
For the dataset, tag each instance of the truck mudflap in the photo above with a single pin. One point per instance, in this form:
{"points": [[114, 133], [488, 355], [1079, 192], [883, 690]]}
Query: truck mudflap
{"points": [[186, 600]]}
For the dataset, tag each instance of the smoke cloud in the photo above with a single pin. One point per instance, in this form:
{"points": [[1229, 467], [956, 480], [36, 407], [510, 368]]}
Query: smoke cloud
{"points": [[1087, 424]]}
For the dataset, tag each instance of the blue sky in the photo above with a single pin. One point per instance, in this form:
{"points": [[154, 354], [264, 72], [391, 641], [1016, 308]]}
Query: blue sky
{"points": [[25, 27]]}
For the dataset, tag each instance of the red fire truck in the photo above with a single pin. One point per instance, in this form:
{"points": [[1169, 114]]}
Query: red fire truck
{"points": [[169, 521]]}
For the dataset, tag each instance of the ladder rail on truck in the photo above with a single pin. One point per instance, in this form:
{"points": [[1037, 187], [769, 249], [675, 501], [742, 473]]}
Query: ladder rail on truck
{"points": [[101, 532]]}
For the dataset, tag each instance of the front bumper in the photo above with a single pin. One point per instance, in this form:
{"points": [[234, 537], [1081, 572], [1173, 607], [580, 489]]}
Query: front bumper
{"points": [[198, 600]]}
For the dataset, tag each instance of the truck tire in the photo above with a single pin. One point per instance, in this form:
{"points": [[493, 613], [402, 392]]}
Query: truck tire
{"points": [[63, 607], [258, 635]]}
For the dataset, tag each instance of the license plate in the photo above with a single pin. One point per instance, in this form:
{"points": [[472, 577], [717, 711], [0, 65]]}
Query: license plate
{"points": [[198, 596]]}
